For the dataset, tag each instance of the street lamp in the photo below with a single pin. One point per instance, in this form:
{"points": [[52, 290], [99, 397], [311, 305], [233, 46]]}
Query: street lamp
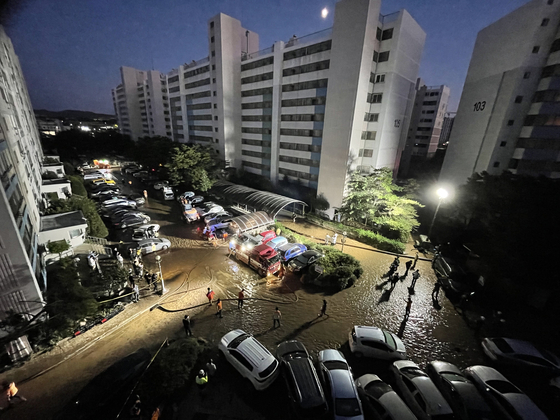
{"points": [[163, 289], [343, 241], [442, 194]]}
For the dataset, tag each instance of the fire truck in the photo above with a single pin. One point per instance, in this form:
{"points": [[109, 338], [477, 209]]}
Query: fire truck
{"points": [[262, 258]]}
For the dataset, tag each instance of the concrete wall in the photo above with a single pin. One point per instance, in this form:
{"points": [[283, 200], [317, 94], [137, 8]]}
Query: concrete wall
{"points": [[75, 235]]}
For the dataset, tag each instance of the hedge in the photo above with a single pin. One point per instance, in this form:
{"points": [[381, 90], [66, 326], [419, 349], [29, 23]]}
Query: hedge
{"points": [[77, 184]]}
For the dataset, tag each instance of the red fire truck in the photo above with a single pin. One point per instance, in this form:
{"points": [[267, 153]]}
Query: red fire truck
{"points": [[262, 258]]}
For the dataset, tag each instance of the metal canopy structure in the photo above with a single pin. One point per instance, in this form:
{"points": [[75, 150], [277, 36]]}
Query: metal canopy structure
{"points": [[259, 200], [251, 221]]}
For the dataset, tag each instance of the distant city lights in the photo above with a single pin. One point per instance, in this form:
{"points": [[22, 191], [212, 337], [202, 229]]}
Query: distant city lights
{"points": [[324, 13]]}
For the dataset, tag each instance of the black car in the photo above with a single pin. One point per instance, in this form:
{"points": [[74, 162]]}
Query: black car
{"points": [[306, 395], [102, 397], [304, 260], [460, 393]]}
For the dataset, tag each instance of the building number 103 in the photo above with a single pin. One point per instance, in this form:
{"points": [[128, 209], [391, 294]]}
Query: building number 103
{"points": [[479, 106]]}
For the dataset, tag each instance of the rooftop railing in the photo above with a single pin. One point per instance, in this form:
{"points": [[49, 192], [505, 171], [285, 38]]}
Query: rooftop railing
{"points": [[245, 56]]}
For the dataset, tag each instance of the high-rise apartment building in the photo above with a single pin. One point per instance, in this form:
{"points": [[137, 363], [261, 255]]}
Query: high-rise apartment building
{"points": [[446, 128], [21, 156], [508, 116], [426, 124], [312, 108]]}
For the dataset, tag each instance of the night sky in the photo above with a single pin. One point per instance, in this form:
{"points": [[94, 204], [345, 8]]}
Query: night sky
{"points": [[71, 50]]}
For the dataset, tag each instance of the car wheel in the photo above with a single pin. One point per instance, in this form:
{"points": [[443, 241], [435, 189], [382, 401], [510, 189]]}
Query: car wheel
{"points": [[165, 247], [359, 354], [261, 273]]}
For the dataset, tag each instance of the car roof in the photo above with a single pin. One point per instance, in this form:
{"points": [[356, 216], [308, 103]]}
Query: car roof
{"points": [[434, 399], [331, 355], [289, 246], [264, 250], [254, 351], [396, 406], [342, 384], [485, 373], [311, 253], [147, 241], [441, 367], [373, 333], [309, 390], [292, 347], [521, 346]]}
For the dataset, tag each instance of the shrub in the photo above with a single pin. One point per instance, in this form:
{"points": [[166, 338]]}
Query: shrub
{"points": [[58, 247], [49, 175], [69, 168], [77, 184]]}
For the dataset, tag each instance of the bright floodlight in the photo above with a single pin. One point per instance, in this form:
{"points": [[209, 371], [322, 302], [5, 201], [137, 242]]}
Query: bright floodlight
{"points": [[442, 193], [324, 12]]}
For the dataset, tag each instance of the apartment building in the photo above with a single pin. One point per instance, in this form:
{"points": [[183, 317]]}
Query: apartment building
{"points": [[508, 116], [448, 120], [311, 108], [21, 156], [426, 124]]}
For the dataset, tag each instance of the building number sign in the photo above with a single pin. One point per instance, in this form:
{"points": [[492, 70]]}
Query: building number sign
{"points": [[479, 106], [397, 123]]}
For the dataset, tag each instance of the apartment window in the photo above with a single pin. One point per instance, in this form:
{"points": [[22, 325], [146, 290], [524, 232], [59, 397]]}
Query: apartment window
{"points": [[380, 78], [199, 106], [212, 39], [383, 56], [201, 138], [211, 24], [196, 72], [429, 103], [549, 95], [215, 93], [496, 164], [216, 118], [303, 117], [261, 143], [300, 132], [173, 79], [369, 135], [527, 74], [199, 117], [308, 68], [302, 147], [312, 49], [255, 154], [257, 64], [375, 98], [255, 165], [213, 53], [255, 130], [299, 161], [375, 56], [365, 153], [371, 117], [518, 99], [257, 78], [536, 49], [430, 112], [256, 118], [321, 100], [313, 84], [378, 34], [256, 105], [200, 128], [215, 106], [510, 122], [503, 144], [216, 129], [213, 80], [174, 89], [545, 22], [297, 174], [192, 96], [196, 84], [387, 34], [213, 67]]}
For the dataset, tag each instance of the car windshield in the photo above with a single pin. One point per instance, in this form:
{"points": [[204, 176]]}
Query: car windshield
{"points": [[453, 377], [390, 340], [335, 364], [377, 388], [347, 407], [502, 345], [274, 260], [269, 370], [237, 341], [503, 387], [302, 259]]}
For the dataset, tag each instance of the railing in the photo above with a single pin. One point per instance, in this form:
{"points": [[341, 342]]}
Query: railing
{"points": [[315, 36], [245, 56], [196, 63], [95, 240]]}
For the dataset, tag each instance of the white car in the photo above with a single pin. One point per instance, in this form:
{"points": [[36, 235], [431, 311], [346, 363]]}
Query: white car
{"points": [[519, 352], [153, 244], [209, 209], [93, 175], [337, 378], [161, 184], [168, 193], [502, 395], [380, 401], [419, 392], [211, 217], [250, 358], [186, 194], [375, 342]]}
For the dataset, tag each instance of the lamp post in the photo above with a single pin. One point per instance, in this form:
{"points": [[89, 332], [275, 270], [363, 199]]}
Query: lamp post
{"points": [[163, 289], [442, 194], [343, 241]]}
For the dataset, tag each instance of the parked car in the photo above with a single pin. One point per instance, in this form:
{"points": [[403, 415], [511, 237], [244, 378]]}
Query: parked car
{"points": [[138, 174], [219, 223], [190, 214], [142, 231], [93, 175], [460, 393], [118, 216], [222, 214], [186, 194], [502, 395], [289, 251], [419, 392], [131, 169], [167, 193], [375, 342], [305, 392], [153, 244], [160, 184], [250, 358], [108, 192], [277, 242], [115, 212], [337, 381], [380, 401], [521, 353], [118, 202], [209, 209], [138, 198], [196, 199], [132, 220], [304, 260], [452, 277]]}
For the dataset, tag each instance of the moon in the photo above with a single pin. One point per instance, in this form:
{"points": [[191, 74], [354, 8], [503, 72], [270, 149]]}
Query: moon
{"points": [[324, 13]]}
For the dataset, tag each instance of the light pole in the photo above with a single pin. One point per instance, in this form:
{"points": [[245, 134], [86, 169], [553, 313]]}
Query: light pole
{"points": [[163, 289], [442, 194], [343, 241]]}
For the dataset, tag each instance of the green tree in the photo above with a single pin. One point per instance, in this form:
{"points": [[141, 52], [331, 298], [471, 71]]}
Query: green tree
{"points": [[77, 185], [193, 166], [96, 227], [108, 282], [374, 199], [151, 152]]}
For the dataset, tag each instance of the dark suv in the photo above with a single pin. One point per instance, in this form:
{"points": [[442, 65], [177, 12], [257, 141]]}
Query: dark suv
{"points": [[304, 389]]}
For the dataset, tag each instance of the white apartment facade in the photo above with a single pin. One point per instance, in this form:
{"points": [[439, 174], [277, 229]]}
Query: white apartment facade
{"points": [[312, 108], [20, 196], [509, 115]]}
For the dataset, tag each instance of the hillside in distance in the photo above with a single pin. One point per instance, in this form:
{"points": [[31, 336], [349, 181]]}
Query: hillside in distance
{"points": [[71, 114]]}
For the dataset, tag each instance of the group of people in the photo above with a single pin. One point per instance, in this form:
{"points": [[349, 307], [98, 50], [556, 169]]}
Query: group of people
{"points": [[331, 240], [93, 260]]}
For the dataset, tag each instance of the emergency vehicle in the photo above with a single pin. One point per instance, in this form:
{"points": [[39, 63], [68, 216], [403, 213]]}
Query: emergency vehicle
{"points": [[262, 258]]}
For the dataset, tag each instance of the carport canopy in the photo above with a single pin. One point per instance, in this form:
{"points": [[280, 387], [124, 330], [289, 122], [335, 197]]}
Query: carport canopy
{"points": [[259, 200], [251, 221]]}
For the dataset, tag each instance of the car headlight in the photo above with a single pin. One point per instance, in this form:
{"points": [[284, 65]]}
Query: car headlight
{"points": [[243, 248]]}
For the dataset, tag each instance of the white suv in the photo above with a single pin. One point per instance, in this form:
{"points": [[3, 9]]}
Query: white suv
{"points": [[251, 359], [375, 342]]}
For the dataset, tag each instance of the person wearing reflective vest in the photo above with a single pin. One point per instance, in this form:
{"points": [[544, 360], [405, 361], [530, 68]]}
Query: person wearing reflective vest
{"points": [[201, 379], [12, 392]]}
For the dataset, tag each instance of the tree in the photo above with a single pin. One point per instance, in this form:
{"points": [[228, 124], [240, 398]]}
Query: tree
{"points": [[192, 166], [374, 199], [77, 185], [96, 227], [151, 152]]}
